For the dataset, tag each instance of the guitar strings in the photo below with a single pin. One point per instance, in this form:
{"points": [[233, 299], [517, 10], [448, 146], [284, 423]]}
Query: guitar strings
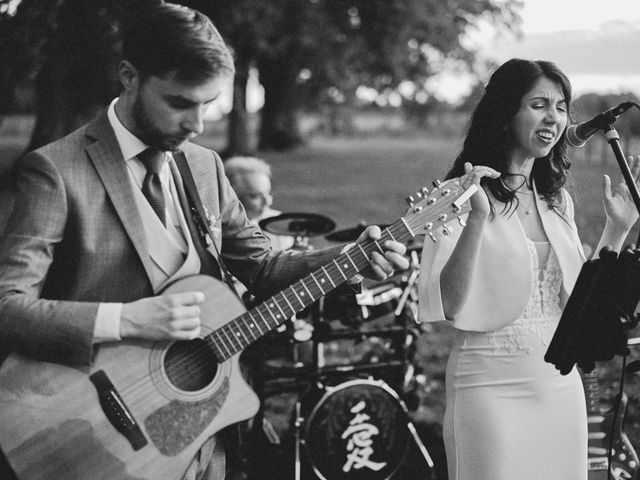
{"points": [[201, 352]]}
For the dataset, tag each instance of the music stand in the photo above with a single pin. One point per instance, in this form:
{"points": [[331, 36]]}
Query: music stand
{"points": [[600, 310]]}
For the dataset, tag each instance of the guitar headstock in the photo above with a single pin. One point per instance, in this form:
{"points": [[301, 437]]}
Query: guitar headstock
{"points": [[431, 210]]}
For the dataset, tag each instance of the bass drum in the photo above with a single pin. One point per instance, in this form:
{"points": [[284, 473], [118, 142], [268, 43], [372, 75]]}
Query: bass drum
{"points": [[357, 431]]}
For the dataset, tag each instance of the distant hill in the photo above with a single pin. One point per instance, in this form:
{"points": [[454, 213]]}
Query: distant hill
{"points": [[603, 60]]}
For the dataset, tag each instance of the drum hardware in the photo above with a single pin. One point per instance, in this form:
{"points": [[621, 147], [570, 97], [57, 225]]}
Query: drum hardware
{"points": [[410, 294], [302, 330], [377, 296], [298, 441], [362, 334], [312, 373], [351, 234], [358, 430], [300, 226], [312, 339]]}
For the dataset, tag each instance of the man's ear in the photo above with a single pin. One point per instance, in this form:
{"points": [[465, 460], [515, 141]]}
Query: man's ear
{"points": [[268, 199], [129, 76]]}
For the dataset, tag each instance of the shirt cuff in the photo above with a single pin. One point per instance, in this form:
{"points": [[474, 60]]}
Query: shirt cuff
{"points": [[107, 327]]}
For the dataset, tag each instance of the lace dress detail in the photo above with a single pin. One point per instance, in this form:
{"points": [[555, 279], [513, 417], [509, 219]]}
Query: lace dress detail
{"points": [[542, 313]]}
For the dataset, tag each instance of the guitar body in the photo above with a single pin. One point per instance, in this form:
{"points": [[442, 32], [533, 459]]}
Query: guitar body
{"points": [[54, 425], [606, 430]]}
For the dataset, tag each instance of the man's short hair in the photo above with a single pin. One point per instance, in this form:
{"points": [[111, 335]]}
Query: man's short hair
{"points": [[235, 167], [166, 37]]}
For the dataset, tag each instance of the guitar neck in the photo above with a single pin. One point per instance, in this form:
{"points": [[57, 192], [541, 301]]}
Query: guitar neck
{"points": [[236, 335]]}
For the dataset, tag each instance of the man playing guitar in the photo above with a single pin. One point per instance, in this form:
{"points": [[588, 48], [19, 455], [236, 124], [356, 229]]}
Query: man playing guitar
{"points": [[104, 218]]}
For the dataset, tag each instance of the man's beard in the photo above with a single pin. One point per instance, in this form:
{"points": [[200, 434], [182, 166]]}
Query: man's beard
{"points": [[148, 132]]}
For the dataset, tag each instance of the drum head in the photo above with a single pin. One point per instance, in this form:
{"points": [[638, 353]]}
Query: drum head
{"points": [[358, 431]]}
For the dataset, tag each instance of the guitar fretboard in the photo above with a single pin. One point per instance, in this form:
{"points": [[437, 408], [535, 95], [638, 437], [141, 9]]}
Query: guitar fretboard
{"points": [[236, 335]]}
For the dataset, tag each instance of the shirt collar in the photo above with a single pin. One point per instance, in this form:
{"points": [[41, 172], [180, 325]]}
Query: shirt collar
{"points": [[130, 145]]}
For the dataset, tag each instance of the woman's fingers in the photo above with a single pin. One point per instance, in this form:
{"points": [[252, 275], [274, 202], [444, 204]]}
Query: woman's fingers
{"points": [[473, 175]]}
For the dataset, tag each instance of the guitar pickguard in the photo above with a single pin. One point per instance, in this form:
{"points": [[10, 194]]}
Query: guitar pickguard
{"points": [[176, 425]]}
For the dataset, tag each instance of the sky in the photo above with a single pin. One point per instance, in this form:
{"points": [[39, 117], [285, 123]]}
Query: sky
{"points": [[595, 42]]}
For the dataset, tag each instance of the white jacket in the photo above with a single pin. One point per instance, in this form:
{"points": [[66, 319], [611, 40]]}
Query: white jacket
{"points": [[501, 285]]}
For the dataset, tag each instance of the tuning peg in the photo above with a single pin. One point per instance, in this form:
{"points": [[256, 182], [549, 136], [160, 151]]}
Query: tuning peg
{"points": [[446, 230], [428, 225], [436, 183], [424, 191], [409, 200], [446, 192], [432, 237], [462, 222]]}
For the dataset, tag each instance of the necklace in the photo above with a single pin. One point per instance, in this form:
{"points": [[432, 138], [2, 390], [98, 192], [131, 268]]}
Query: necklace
{"points": [[527, 207]]}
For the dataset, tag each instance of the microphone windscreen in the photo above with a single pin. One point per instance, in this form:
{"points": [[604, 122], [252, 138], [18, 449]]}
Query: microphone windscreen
{"points": [[573, 139]]}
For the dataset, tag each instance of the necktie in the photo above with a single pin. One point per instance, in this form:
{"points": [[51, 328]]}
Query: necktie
{"points": [[151, 186]]}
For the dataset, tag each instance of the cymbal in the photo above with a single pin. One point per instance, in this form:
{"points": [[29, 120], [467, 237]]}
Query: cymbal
{"points": [[298, 224], [350, 234]]}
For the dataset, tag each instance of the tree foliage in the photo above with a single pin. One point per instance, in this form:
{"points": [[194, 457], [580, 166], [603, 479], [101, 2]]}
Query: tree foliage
{"points": [[317, 52], [307, 52]]}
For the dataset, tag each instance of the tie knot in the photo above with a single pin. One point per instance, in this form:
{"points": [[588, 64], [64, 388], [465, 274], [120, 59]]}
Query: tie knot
{"points": [[152, 159]]}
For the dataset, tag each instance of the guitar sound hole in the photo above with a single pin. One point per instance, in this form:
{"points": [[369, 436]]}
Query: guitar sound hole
{"points": [[190, 365]]}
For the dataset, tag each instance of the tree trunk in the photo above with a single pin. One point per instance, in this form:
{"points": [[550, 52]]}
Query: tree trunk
{"points": [[279, 122], [57, 111], [239, 141], [78, 76]]}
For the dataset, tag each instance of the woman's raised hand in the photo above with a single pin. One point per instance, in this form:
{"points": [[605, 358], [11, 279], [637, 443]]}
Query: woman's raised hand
{"points": [[479, 201], [618, 204]]}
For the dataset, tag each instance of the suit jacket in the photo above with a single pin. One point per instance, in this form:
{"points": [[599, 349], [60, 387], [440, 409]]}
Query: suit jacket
{"points": [[501, 283], [74, 239]]}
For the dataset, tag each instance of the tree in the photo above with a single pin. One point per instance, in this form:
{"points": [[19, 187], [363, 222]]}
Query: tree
{"points": [[72, 51], [307, 52], [315, 51]]}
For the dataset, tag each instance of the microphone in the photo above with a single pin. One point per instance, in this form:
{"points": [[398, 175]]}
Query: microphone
{"points": [[577, 135]]}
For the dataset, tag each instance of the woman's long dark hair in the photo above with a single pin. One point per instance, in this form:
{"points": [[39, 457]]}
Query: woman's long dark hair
{"points": [[489, 137]]}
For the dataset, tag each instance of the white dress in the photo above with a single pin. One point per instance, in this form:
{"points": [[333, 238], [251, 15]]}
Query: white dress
{"points": [[510, 415]]}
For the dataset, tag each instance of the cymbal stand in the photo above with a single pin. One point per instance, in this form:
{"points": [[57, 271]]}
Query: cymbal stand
{"points": [[298, 440], [420, 444], [410, 288], [302, 329]]}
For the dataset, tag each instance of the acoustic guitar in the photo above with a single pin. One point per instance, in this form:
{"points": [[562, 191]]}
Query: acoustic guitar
{"points": [[143, 409], [606, 430]]}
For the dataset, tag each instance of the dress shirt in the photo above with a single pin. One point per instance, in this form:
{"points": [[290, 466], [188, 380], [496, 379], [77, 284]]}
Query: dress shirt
{"points": [[107, 325]]}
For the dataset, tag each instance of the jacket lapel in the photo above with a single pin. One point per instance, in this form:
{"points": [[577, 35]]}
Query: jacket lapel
{"points": [[107, 158], [563, 236]]}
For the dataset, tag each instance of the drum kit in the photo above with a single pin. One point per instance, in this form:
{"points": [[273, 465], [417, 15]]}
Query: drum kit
{"points": [[348, 362]]}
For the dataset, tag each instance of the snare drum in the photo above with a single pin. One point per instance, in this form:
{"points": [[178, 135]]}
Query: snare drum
{"points": [[357, 431]]}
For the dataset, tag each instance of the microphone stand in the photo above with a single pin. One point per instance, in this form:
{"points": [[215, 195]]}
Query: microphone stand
{"points": [[613, 138]]}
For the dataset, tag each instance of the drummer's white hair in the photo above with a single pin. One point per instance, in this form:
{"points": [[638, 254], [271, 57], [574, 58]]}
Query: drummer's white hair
{"points": [[237, 166]]}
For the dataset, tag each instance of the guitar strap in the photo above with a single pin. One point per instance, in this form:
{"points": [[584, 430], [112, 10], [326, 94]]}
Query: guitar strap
{"points": [[201, 220]]}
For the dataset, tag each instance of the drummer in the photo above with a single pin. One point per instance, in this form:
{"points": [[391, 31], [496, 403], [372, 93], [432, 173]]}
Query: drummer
{"points": [[250, 177]]}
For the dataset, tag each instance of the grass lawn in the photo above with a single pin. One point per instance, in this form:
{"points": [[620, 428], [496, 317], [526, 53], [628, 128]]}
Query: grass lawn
{"points": [[364, 179]]}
